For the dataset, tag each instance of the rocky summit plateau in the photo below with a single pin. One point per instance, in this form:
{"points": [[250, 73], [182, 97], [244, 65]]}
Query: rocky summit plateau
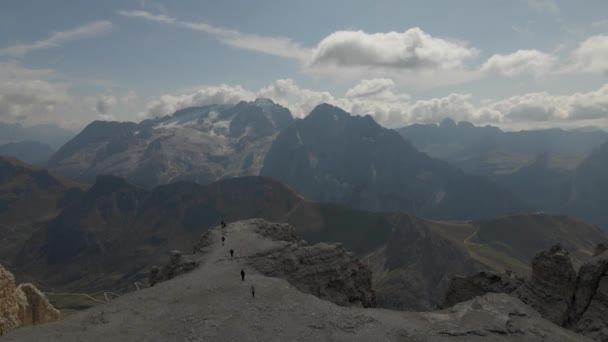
{"points": [[322, 296]]}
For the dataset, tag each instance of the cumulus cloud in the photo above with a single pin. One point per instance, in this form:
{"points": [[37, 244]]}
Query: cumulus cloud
{"points": [[382, 89], [413, 49], [531, 62], [592, 55], [28, 92], [396, 110], [222, 94], [58, 38], [277, 46], [104, 103]]}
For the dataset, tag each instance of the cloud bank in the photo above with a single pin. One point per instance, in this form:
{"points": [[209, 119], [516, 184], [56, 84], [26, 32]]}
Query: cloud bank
{"points": [[381, 99]]}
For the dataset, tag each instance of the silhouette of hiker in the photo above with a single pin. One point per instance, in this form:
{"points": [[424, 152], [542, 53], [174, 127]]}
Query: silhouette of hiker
{"points": [[223, 224], [252, 291], [223, 239], [242, 275], [232, 253]]}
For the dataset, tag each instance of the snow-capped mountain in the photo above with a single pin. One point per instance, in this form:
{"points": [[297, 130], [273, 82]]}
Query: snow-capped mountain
{"points": [[201, 144]]}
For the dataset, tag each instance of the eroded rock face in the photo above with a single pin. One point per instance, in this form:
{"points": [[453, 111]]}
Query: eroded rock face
{"points": [[22, 305], [551, 286], [578, 302], [178, 264], [590, 305], [324, 270], [462, 288], [327, 271]]}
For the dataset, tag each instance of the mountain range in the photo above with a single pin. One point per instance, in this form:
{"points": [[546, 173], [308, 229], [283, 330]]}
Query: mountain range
{"points": [[107, 236], [201, 144], [48, 134], [31, 152]]}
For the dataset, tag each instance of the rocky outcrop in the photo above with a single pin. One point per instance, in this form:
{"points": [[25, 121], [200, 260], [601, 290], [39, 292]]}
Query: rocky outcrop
{"points": [[327, 271], [324, 270], [578, 302], [462, 288], [22, 305], [178, 264], [590, 304], [551, 286]]}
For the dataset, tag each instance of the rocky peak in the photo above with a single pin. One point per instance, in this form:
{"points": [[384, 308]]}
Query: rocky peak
{"points": [[447, 123], [22, 305]]}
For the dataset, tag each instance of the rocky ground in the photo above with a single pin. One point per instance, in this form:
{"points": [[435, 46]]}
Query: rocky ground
{"points": [[575, 301], [212, 303]]}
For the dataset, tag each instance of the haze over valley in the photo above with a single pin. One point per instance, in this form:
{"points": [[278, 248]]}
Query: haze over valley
{"points": [[304, 171]]}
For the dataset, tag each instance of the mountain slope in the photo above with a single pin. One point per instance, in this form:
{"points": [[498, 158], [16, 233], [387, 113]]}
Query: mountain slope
{"points": [[201, 144], [212, 303], [588, 195], [32, 152], [29, 198], [50, 134], [331, 156]]}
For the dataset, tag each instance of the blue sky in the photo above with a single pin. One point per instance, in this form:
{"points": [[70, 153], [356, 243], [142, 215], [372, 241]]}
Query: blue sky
{"points": [[515, 64]]}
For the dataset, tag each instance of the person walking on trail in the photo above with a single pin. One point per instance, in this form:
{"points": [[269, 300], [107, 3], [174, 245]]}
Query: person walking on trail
{"points": [[252, 291], [231, 253], [223, 224], [242, 275], [223, 239]]}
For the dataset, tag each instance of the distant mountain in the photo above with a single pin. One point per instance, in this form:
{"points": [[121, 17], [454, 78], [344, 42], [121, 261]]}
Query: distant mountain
{"points": [[331, 156], [52, 135], [488, 150], [588, 192], [29, 198], [105, 237], [544, 183], [31, 152], [201, 144]]}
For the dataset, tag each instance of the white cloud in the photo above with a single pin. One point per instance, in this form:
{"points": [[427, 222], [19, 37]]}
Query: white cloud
{"points": [[277, 46], [353, 55], [28, 92], [592, 55], [222, 94], [531, 62], [413, 49], [382, 89], [379, 98], [104, 103], [58, 38]]}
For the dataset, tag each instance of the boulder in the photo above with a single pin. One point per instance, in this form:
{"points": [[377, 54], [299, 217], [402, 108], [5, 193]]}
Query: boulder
{"points": [[22, 305]]}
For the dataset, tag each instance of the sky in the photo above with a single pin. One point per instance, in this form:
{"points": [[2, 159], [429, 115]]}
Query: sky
{"points": [[516, 64]]}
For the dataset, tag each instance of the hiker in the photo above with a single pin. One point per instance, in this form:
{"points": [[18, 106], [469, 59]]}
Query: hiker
{"points": [[223, 239], [242, 275], [231, 253], [252, 291], [223, 224]]}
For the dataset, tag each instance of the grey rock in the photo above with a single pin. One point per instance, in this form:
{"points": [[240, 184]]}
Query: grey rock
{"points": [[210, 303], [178, 264], [578, 302]]}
